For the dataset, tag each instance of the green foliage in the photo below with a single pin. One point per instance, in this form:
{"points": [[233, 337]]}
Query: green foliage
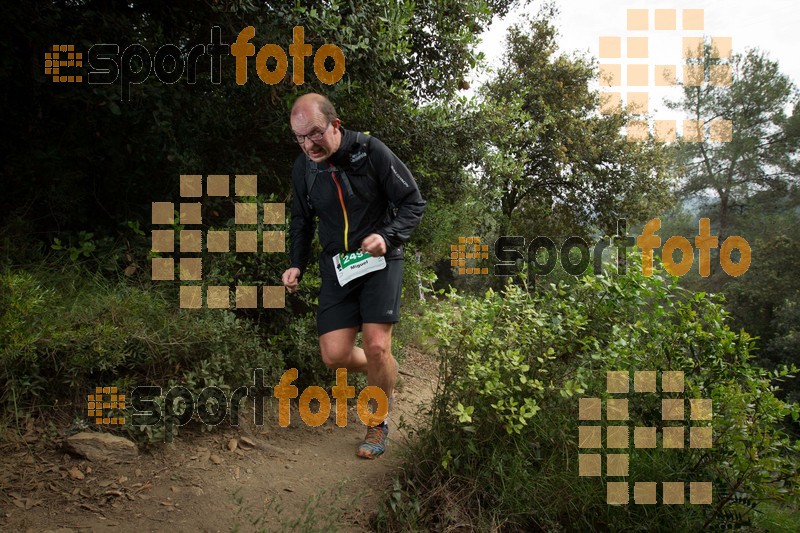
{"points": [[765, 141], [550, 156], [61, 335], [503, 435]]}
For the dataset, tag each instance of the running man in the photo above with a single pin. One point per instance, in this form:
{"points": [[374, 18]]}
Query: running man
{"points": [[366, 201]]}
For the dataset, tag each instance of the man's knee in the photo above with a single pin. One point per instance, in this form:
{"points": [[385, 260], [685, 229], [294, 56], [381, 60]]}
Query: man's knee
{"points": [[335, 357], [378, 348]]}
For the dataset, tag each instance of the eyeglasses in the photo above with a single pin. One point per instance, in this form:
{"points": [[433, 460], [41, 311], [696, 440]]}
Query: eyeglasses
{"points": [[300, 139]]}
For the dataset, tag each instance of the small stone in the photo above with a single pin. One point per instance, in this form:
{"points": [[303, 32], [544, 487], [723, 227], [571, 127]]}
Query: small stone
{"points": [[99, 447], [214, 458]]}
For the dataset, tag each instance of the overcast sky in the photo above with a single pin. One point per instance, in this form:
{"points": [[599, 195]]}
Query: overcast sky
{"points": [[772, 25]]}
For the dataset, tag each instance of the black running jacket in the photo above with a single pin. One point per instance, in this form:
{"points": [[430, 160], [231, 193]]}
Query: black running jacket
{"points": [[379, 182]]}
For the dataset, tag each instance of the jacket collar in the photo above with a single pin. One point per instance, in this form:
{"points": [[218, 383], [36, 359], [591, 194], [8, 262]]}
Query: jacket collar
{"points": [[342, 155]]}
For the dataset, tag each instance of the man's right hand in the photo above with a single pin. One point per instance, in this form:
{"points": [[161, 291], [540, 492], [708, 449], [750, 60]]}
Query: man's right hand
{"points": [[291, 278]]}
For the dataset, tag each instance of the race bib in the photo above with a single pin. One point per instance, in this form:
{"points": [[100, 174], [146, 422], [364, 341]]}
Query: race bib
{"points": [[352, 265]]}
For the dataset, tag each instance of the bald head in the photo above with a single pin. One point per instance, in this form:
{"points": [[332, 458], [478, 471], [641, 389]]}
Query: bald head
{"points": [[315, 123], [311, 103]]}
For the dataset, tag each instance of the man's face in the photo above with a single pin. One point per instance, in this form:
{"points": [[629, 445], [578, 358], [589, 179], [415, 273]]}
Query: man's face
{"points": [[309, 122]]}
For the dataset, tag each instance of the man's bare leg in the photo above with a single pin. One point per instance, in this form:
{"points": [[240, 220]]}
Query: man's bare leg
{"points": [[339, 350], [381, 365]]}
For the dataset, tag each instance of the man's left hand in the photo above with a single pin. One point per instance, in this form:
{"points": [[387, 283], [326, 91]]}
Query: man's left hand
{"points": [[374, 245]]}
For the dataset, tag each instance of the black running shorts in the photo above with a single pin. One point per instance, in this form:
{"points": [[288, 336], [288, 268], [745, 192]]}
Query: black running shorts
{"points": [[373, 298]]}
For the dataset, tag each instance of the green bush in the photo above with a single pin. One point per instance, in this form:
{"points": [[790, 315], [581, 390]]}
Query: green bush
{"points": [[502, 451], [62, 334]]}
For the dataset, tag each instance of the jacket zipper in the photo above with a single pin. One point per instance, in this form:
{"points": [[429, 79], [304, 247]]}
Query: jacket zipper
{"points": [[344, 210]]}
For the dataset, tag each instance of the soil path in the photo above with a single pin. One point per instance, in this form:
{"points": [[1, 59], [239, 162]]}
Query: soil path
{"points": [[295, 479]]}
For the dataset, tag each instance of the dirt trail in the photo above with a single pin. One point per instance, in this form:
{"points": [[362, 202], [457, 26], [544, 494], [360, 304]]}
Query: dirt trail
{"points": [[295, 478]]}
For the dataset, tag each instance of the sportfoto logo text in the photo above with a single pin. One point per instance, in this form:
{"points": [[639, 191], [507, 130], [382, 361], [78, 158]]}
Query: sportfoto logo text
{"points": [[133, 66]]}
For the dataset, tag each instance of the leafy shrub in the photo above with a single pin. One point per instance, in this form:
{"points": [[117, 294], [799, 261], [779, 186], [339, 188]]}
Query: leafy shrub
{"points": [[503, 435], [63, 334]]}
